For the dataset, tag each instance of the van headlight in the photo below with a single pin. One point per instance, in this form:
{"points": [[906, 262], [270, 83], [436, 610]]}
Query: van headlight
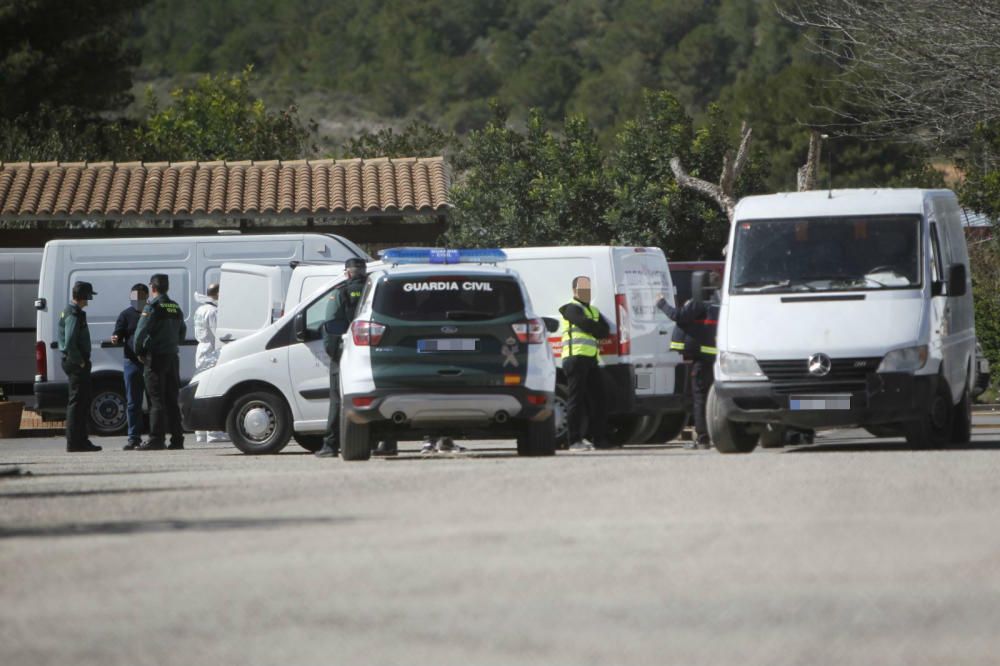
{"points": [[740, 366], [909, 359]]}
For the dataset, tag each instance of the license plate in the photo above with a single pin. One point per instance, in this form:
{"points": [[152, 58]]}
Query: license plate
{"points": [[447, 345], [819, 402]]}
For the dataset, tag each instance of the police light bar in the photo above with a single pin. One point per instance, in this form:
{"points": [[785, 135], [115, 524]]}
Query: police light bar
{"points": [[441, 255]]}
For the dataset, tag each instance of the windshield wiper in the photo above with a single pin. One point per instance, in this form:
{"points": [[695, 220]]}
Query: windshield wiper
{"points": [[761, 284]]}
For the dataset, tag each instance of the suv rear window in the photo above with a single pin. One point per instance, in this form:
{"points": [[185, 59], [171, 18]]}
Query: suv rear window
{"points": [[448, 297]]}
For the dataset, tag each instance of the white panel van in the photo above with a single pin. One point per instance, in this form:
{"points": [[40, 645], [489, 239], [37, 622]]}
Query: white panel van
{"points": [[847, 308], [19, 268], [113, 266]]}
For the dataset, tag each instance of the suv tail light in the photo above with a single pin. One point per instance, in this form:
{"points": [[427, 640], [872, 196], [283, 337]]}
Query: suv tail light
{"points": [[531, 331], [367, 333], [624, 325], [41, 362]]}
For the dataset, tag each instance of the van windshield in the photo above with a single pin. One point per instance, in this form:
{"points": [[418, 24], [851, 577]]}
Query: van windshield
{"points": [[448, 297], [826, 254]]}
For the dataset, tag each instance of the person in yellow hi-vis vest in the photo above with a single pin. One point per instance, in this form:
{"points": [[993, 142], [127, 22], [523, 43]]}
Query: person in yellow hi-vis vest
{"points": [[583, 326]]}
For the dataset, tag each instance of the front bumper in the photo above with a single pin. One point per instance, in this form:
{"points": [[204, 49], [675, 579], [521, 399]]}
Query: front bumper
{"points": [[486, 411], [886, 398], [201, 413]]}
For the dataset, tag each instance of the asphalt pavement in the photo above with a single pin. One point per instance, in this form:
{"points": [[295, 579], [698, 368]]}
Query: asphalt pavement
{"points": [[850, 551]]}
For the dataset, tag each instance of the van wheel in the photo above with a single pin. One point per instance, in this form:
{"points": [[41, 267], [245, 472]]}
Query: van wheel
{"points": [[259, 423], [108, 409], [884, 430], [726, 435], [355, 439], [961, 425], [933, 430], [538, 438], [773, 437], [311, 443], [671, 426]]}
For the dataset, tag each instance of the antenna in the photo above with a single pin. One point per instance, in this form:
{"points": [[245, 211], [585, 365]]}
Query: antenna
{"points": [[829, 164]]}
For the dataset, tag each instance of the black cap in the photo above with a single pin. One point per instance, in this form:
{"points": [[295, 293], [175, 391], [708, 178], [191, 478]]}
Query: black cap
{"points": [[83, 290], [355, 262], [139, 286]]}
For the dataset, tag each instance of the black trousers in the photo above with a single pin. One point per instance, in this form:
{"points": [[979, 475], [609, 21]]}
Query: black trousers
{"points": [[78, 404], [332, 438], [586, 396], [162, 376], [702, 376]]}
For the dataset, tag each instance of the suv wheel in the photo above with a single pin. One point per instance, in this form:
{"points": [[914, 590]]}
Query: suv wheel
{"points": [[108, 409], [559, 415], [259, 423], [538, 438], [355, 439]]}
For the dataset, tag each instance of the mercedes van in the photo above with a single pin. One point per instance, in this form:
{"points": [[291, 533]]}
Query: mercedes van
{"points": [[113, 266], [843, 309]]}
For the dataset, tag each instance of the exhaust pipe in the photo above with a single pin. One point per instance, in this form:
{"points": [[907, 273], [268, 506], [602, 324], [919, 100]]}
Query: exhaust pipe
{"points": [[399, 418], [501, 417]]}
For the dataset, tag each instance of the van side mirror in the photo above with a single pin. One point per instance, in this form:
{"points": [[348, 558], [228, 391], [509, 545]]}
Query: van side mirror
{"points": [[299, 325], [957, 278], [551, 325]]}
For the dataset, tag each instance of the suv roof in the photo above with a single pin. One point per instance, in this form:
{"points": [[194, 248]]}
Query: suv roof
{"points": [[438, 269]]}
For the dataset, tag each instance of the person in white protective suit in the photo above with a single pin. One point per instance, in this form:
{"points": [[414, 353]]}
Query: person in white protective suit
{"points": [[205, 321]]}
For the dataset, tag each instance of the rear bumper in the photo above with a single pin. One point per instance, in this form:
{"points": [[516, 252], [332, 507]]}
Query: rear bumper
{"points": [[201, 413], [887, 398], [468, 412]]}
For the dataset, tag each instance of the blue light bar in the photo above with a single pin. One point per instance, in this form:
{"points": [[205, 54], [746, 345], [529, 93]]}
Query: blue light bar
{"points": [[441, 255]]}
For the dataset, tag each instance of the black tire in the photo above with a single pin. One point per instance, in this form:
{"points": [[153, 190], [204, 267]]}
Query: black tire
{"points": [[311, 443], [933, 430], [355, 439], [726, 435], [259, 423], [671, 426], [108, 413], [883, 430], [773, 437], [961, 420], [559, 416], [538, 438]]}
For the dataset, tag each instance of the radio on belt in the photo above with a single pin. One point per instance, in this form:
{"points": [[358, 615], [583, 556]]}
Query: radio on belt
{"points": [[440, 255]]}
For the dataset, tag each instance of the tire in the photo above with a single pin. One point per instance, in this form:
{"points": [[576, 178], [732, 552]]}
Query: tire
{"points": [[108, 413], [773, 437], [933, 430], [538, 439], [961, 420], [632, 429], [559, 416], [727, 436], [671, 426], [355, 439], [311, 443], [259, 423]]}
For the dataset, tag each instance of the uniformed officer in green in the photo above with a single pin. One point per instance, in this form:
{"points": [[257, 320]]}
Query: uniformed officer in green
{"points": [[583, 327], [160, 331], [340, 311], [74, 343]]}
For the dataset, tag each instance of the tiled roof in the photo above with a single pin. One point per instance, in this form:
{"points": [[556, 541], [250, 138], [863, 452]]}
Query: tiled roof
{"points": [[185, 189]]}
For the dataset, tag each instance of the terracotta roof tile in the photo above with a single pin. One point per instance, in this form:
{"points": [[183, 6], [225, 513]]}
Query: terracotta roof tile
{"points": [[182, 189]]}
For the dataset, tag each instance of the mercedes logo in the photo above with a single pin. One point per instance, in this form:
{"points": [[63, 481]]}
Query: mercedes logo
{"points": [[449, 329], [820, 365]]}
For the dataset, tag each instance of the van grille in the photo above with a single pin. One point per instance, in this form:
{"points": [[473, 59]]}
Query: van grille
{"points": [[847, 375]]}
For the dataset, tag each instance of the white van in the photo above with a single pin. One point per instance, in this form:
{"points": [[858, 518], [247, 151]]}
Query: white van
{"points": [[645, 378], [19, 268], [113, 266], [848, 308]]}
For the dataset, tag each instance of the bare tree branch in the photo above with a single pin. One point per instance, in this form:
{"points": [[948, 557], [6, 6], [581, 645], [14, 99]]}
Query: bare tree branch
{"points": [[808, 173], [723, 193]]}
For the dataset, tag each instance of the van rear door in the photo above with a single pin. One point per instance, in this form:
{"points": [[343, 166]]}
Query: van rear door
{"points": [[250, 298], [641, 274]]}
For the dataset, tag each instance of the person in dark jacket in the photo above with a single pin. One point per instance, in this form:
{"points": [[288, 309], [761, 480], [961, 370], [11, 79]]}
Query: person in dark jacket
{"points": [[74, 343], [160, 331], [340, 311], [697, 321], [583, 327], [123, 334]]}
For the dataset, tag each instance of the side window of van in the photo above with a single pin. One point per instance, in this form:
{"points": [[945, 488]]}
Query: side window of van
{"points": [[316, 313], [937, 270]]}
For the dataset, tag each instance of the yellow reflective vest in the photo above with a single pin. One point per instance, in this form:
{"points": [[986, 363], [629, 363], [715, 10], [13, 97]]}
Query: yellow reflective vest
{"points": [[577, 342]]}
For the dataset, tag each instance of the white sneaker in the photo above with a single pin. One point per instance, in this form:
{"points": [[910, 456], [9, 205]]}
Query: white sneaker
{"points": [[428, 448], [201, 436], [582, 445], [448, 445]]}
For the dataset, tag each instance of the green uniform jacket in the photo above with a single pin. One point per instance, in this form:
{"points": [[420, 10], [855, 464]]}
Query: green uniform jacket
{"points": [[340, 311], [161, 328], [74, 334]]}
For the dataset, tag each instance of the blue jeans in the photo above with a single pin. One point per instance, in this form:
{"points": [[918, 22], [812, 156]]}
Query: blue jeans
{"points": [[134, 386]]}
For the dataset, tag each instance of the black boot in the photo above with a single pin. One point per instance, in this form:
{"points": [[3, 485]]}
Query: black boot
{"points": [[386, 447], [328, 451]]}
